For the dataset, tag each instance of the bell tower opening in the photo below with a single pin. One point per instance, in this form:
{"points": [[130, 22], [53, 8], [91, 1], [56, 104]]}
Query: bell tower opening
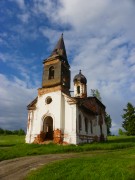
{"points": [[51, 73]]}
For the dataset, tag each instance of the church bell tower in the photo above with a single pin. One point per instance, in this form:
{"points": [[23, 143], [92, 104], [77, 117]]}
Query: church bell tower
{"points": [[56, 70]]}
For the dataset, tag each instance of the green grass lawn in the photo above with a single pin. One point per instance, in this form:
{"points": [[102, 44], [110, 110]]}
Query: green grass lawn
{"points": [[113, 159], [12, 146], [104, 165]]}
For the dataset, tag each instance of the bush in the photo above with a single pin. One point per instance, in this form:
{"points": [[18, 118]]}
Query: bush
{"points": [[122, 133]]}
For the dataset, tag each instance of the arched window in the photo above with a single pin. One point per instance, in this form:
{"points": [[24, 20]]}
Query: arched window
{"points": [[78, 89], [100, 123], [86, 125], [101, 129], [51, 73], [91, 128], [80, 123]]}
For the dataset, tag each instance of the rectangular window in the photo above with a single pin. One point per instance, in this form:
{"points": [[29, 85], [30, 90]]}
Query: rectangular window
{"points": [[80, 123], [78, 89], [91, 128], [86, 125]]}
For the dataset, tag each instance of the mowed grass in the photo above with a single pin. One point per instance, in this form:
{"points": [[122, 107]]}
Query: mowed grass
{"points": [[107, 165], [13, 146]]}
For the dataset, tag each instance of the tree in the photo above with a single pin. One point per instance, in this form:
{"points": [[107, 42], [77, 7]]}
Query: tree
{"points": [[21, 132], [129, 119], [108, 121], [7, 132], [1, 131], [14, 132], [96, 94], [121, 132]]}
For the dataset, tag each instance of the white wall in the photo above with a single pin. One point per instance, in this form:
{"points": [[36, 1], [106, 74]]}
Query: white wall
{"points": [[43, 110], [63, 114], [70, 122], [95, 127]]}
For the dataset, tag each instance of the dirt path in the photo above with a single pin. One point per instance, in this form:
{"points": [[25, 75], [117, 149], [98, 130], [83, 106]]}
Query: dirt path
{"points": [[17, 169]]}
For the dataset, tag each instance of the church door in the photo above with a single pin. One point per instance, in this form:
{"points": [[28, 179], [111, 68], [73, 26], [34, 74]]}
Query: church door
{"points": [[48, 128]]}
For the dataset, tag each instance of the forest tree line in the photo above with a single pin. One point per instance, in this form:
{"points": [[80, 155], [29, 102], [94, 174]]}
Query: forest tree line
{"points": [[19, 132]]}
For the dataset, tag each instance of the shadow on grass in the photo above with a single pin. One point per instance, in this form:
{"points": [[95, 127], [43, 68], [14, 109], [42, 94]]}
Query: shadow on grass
{"points": [[7, 145]]}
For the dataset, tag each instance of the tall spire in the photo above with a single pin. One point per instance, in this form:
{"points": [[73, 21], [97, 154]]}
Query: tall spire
{"points": [[56, 68], [60, 49]]}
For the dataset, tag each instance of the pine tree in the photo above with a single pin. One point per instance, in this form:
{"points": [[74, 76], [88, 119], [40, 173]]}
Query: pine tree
{"points": [[129, 119]]}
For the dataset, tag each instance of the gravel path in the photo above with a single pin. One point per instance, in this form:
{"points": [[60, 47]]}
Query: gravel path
{"points": [[17, 169]]}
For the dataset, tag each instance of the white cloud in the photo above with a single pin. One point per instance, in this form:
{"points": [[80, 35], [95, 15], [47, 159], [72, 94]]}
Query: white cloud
{"points": [[46, 7], [20, 3], [23, 67], [51, 34], [15, 96], [4, 57], [132, 57], [115, 128], [132, 87], [80, 14], [24, 17]]}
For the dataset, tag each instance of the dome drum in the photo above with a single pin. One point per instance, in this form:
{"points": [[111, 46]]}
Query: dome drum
{"points": [[80, 85]]}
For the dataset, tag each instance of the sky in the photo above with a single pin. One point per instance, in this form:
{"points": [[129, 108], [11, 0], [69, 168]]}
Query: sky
{"points": [[99, 38]]}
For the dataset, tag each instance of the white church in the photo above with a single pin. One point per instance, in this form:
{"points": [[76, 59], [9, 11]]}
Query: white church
{"points": [[54, 115]]}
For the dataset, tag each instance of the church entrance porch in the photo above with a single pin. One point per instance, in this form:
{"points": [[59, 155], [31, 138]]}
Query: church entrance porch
{"points": [[48, 128]]}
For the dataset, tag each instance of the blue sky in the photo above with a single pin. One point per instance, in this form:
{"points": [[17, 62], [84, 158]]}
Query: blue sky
{"points": [[99, 38]]}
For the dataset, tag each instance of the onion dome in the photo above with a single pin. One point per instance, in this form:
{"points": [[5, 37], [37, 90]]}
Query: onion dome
{"points": [[80, 78]]}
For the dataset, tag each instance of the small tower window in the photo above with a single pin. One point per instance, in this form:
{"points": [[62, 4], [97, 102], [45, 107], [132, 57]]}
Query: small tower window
{"points": [[78, 89], [51, 73], [80, 123]]}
